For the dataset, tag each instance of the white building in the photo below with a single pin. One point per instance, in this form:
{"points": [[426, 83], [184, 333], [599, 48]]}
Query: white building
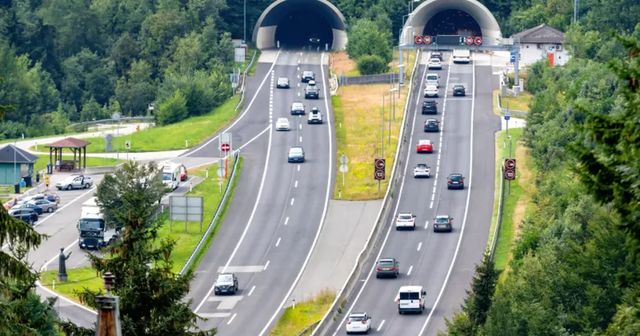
{"points": [[541, 42]]}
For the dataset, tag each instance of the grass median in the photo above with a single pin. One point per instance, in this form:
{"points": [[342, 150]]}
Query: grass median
{"points": [[517, 195], [297, 319], [181, 135], [186, 236]]}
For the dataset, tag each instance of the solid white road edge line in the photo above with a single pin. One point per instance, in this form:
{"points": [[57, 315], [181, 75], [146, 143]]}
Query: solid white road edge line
{"points": [[251, 290], [395, 211], [466, 211], [232, 317], [326, 201], [409, 271], [380, 326], [62, 297]]}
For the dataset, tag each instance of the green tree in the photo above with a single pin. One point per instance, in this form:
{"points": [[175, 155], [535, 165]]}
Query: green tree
{"points": [[372, 64], [151, 295], [366, 38], [172, 109]]}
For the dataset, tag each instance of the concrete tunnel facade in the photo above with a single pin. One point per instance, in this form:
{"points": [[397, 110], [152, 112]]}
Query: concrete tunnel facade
{"points": [[300, 23], [423, 20]]}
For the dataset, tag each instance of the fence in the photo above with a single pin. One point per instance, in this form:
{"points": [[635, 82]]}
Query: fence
{"points": [[369, 79], [84, 125]]}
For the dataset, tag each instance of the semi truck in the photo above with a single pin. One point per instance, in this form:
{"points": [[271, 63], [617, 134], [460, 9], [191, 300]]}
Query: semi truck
{"points": [[94, 232]]}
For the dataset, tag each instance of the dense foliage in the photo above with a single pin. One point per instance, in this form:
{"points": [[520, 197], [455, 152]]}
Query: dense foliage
{"points": [[65, 61]]}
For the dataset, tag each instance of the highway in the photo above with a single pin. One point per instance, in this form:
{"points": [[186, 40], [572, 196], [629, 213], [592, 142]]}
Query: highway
{"points": [[442, 263], [278, 207]]}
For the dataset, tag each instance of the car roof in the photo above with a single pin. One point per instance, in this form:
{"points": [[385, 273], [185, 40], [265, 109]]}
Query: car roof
{"points": [[283, 119], [307, 72], [456, 174], [357, 314], [297, 104], [432, 74], [422, 165], [431, 86], [424, 142], [431, 120], [458, 85], [405, 214], [294, 148], [387, 259]]}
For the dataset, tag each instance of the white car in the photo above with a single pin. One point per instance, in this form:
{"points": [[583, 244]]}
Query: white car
{"points": [[315, 117], [431, 91], [434, 64], [282, 124], [406, 220], [433, 79], [421, 170], [283, 82], [358, 323], [311, 82]]}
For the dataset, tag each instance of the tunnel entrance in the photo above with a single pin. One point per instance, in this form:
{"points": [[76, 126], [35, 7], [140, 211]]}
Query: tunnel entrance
{"points": [[300, 23], [304, 29], [452, 22]]}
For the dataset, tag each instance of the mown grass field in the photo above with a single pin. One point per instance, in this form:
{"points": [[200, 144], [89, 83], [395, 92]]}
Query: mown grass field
{"points": [[519, 103], [43, 160], [78, 279], [181, 135], [295, 320]]}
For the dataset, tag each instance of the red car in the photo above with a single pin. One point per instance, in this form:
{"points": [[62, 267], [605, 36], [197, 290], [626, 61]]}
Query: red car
{"points": [[183, 173], [424, 146]]}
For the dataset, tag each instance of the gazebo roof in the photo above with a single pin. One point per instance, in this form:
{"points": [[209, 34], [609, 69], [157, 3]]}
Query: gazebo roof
{"points": [[69, 143]]}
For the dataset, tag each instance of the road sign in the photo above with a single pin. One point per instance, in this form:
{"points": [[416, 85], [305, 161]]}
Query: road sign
{"points": [[468, 40], [510, 169], [427, 39], [225, 142], [379, 169], [225, 147], [510, 164], [344, 168], [343, 159], [477, 41], [507, 116], [510, 174], [512, 58]]}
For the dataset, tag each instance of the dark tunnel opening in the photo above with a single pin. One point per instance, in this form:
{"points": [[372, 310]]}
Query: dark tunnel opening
{"points": [[300, 28], [452, 22]]}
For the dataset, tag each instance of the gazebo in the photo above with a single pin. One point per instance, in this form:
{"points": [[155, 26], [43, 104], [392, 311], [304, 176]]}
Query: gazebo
{"points": [[77, 146]]}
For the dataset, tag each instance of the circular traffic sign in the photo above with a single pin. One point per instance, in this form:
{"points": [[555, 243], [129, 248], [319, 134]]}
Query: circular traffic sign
{"points": [[468, 40], [477, 40], [418, 39], [343, 159], [507, 117], [379, 163], [225, 147], [380, 174], [510, 163], [510, 174], [427, 39]]}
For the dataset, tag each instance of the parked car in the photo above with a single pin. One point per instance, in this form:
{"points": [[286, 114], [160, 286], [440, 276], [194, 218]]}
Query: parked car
{"points": [[37, 209], [226, 283], [455, 181], [45, 205], [431, 125], [424, 146], [282, 124], [283, 83], [458, 90], [406, 220], [387, 267], [434, 64], [297, 108], [315, 117], [358, 323], [429, 107], [75, 182], [25, 214], [307, 76], [431, 91], [442, 223], [421, 170], [296, 154]]}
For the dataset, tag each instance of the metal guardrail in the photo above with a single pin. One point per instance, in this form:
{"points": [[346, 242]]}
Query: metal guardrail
{"points": [[369, 79], [496, 229], [214, 220], [244, 79], [374, 238]]}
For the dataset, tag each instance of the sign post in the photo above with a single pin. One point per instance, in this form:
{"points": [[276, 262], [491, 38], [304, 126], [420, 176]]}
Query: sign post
{"points": [[343, 166]]}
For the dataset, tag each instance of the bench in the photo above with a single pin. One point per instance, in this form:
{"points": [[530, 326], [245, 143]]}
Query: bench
{"points": [[66, 165]]}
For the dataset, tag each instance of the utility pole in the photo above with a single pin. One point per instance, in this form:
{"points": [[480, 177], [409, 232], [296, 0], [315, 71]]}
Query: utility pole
{"points": [[244, 38]]}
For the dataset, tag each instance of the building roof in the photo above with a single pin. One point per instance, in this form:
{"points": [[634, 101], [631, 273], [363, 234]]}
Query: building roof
{"points": [[540, 34], [11, 154], [68, 143]]}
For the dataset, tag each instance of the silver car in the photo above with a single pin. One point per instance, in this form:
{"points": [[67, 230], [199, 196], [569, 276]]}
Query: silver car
{"points": [[46, 205]]}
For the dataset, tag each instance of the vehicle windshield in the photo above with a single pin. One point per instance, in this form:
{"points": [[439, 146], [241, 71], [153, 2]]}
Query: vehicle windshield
{"points": [[295, 151], [422, 165], [442, 220], [432, 77], [356, 318], [455, 178], [167, 176], [404, 216], [409, 296], [225, 278], [91, 224], [296, 106], [385, 262]]}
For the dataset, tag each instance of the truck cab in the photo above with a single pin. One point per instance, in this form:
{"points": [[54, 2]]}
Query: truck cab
{"points": [[411, 299], [93, 230]]}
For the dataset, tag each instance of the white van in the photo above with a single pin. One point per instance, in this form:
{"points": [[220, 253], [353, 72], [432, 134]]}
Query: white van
{"points": [[433, 79], [171, 175], [411, 299], [461, 56]]}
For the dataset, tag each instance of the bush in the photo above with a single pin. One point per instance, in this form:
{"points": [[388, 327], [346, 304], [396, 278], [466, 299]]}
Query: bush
{"points": [[372, 64], [173, 109], [367, 38]]}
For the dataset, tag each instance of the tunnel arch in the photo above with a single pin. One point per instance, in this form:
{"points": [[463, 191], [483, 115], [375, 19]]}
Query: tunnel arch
{"points": [[298, 23], [430, 10]]}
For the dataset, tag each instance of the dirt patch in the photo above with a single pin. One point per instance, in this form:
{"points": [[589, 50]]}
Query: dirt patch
{"points": [[341, 64]]}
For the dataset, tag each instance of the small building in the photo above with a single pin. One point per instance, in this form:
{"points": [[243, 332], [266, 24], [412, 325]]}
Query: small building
{"points": [[15, 163], [541, 42]]}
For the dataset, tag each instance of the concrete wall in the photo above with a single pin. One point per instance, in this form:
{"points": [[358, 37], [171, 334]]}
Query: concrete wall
{"points": [[266, 37]]}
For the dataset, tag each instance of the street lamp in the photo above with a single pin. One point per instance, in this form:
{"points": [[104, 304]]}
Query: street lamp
{"points": [[244, 33]]}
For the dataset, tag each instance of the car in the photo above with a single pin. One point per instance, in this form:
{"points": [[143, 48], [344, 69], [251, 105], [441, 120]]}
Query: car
{"points": [[25, 214], [307, 76], [431, 91], [455, 181], [297, 108], [424, 146], [49, 197], [406, 220], [45, 205], [37, 209], [436, 54], [433, 79], [358, 323], [311, 83], [431, 125], [296, 154], [311, 92], [282, 124], [315, 117], [314, 40], [429, 107], [184, 174], [421, 170], [458, 90], [434, 64], [75, 182], [387, 267], [442, 223], [283, 83], [226, 283]]}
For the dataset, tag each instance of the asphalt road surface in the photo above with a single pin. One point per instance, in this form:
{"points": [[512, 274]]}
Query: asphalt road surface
{"points": [[443, 263], [278, 207]]}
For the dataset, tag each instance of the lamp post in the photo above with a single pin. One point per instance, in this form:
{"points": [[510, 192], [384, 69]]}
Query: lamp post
{"points": [[244, 31]]}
